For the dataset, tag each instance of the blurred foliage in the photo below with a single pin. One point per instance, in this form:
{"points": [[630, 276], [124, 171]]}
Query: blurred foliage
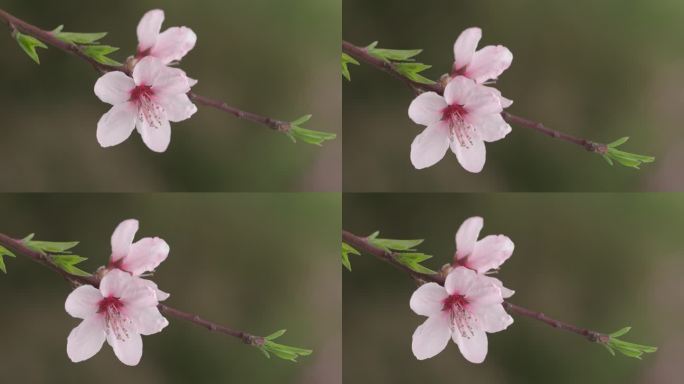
{"points": [[255, 262], [595, 69], [599, 261], [275, 58]]}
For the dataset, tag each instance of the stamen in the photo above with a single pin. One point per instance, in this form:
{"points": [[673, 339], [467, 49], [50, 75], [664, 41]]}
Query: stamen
{"points": [[116, 323], [149, 112], [460, 318], [459, 129]]}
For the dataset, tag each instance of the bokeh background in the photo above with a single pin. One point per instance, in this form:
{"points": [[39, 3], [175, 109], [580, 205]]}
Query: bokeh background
{"points": [[599, 261], [275, 58], [255, 262], [595, 69]]}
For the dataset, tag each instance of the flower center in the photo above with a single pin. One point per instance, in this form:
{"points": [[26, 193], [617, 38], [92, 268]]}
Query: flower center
{"points": [[148, 111], [459, 315], [115, 321], [459, 129]]}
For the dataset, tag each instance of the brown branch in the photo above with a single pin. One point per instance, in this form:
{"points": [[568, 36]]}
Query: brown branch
{"points": [[361, 54], [362, 244], [17, 247], [49, 38]]}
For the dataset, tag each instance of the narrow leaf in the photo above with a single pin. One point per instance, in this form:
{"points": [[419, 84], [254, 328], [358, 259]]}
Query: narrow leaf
{"points": [[29, 45]]}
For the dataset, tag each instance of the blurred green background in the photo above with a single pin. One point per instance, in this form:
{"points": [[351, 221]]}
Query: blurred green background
{"points": [[258, 262], [595, 69], [599, 261], [275, 58]]}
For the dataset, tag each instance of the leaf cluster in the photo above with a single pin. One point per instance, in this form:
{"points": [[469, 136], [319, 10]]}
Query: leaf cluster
{"points": [[296, 132], [285, 352], [59, 253], [627, 159]]}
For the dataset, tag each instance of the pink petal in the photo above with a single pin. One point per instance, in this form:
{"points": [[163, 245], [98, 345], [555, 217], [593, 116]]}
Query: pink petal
{"points": [[122, 238], [161, 295], [148, 29], [156, 138], [138, 295], [145, 255], [465, 47], [114, 87], [505, 103], [170, 81], [490, 253], [173, 44], [482, 102], [430, 146], [493, 127], [474, 347], [493, 318], [466, 236], [178, 107], [458, 89], [147, 70], [115, 282], [427, 108], [472, 158], [431, 337], [505, 292], [86, 339], [459, 281], [488, 63], [83, 302], [127, 349], [149, 321], [428, 299], [482, 292], [116, 125]]}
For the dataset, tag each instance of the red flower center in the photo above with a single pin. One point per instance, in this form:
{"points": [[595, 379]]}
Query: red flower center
{"points": [[109, 303], [140, 92], [454, 300]]}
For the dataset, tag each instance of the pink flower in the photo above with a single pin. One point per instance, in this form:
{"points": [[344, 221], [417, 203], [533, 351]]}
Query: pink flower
{"points": [[467, 116], [120, 311], [483, 65], [168, 46], [154, 96], [465, 309], [484, 255]]}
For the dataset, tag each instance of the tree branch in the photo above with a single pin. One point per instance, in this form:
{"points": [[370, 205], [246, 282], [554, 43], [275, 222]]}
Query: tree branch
{"points": [[361, 54], [17, 247], [362, 244], [49, 38]]}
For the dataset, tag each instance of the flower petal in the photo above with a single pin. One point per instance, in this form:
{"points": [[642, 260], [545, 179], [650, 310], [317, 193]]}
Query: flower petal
{"points": [[490, 252], [472, 158], [459, 281], [431, 337], [505, 292], [488, 63], [138, 295], [148, 29], [115, 282], [114, 87], [481, 101], [428, 299], [505, 103], [173, 44], [458, 90], [147, 70], [465, 47], [116, 125], [149, 321], [482, 292], [427, 108], [161, 295], [145, 255], [122, 238], [83, 302], [493, 318], [170, 81], [178, 107], [493, 127], [157, 138], [466, 236], [473, 347], [430, 146], [86, 339], [128, 349]]}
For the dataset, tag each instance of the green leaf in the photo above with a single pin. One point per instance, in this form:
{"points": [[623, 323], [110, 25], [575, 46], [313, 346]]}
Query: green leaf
{"points": [[29, 45], [346, 251], [68, 263], [626, 348], [413, 260], [99, 53], [393, 244], [4, 252], [346, 60], [282, 351], [403, 252], [627, 159], [621, 332], [618, 142], [79, 38], [48, 246], [412, 72], [296, 132], [403, 61]]}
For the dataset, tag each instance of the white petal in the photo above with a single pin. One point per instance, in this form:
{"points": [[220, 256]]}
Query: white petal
{"points": [[482, 292], [178, 107], [157, 138], [116, 125], [147, 70], [488, 63], [490, 252], [122, 238], [161, 295], [114, 87], [459, 281], [145, 255], [148, 29], [458, 90], [473, 347], [465, 47], [430, 146], [481, 101], [427, 108], [493, 127], [83, 302], [466, 236], [428, 299], [505, 292], [149, 321], [472, 158], [115, 282], [431, 337], [493, 318], [127, 349], [138, 295], [174, 43], [170, 81], [86, 339]]}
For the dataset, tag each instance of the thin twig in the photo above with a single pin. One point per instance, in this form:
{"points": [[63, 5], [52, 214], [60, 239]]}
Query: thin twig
{"points": [[362, 244], [17, 247], [49, 38], [362, 54]]}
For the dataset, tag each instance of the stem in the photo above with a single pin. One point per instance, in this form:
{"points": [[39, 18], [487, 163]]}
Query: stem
{"points": [[362, 244], [18, 247], [361, 54], [49, 38]]}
